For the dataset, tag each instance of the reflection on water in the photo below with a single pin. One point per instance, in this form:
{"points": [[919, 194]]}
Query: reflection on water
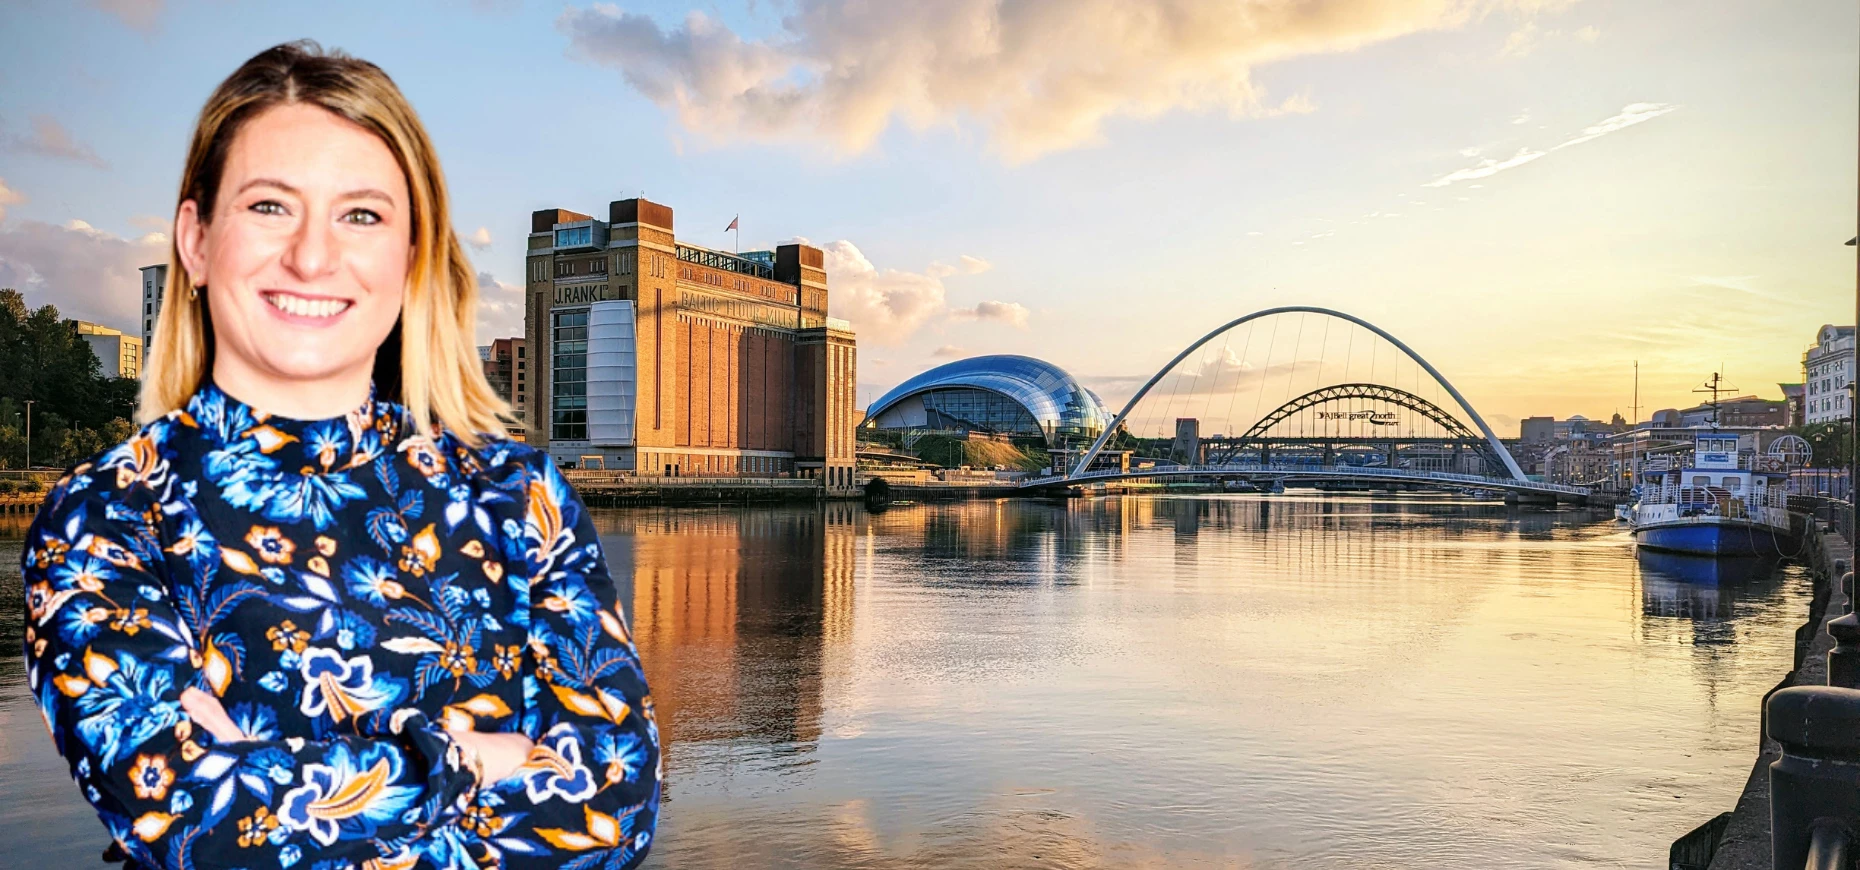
{"points": [[1699, 587], [1263, 681]]}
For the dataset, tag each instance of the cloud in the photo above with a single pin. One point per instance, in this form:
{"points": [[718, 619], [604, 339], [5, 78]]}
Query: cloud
{"points": [[1011, 313], [947, 351], [965, 264], [1487, 168], [1521, 118], [1633, 113], [500, 309], [140, 15], [1035, 76], [886, 306], [1589, 34], [50, 139], [1521, 41], [480, 240], [150, 223], [88, 273], [8, 196]]}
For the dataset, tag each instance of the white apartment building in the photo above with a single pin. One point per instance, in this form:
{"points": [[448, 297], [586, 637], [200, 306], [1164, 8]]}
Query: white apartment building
{"points": [[154, 281], [1827, 373]]}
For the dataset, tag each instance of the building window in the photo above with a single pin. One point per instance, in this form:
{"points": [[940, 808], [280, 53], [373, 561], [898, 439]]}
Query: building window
{"points": [[574, 236], [569, 405]]}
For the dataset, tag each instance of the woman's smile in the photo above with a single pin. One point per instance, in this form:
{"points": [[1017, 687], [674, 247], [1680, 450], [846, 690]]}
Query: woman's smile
{"points": [[305, 310]]}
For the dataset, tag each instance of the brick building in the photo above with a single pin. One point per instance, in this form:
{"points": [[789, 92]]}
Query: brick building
{"points": [[506, 366], [666, 358]]}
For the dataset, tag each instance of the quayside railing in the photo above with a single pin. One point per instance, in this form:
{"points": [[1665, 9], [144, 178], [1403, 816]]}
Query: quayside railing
{"points": [[1815, 783]]}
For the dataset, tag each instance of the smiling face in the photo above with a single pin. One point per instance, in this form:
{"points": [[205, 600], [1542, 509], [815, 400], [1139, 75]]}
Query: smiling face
{"points": [[304, 258]]}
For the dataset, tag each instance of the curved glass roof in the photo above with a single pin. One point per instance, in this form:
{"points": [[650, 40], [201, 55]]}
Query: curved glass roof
{"points": [[1053, 397]]}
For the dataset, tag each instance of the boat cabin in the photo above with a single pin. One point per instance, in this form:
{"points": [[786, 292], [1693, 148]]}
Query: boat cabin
{"points": [[1721, 480]]}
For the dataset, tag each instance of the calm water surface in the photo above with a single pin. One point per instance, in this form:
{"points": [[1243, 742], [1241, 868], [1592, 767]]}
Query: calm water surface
{"points": [[1280, 681]]}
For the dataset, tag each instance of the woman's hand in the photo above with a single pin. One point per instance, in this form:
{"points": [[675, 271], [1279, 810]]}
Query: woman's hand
{"points": [[208, 713], [498, 754]]}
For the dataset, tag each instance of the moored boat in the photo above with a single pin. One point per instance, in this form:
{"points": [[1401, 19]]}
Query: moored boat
{"points": [[1724, 502]]}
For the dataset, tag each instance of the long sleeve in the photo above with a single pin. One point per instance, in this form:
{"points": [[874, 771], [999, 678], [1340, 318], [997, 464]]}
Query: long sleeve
{"points": [[108, 654], [589, 796]]}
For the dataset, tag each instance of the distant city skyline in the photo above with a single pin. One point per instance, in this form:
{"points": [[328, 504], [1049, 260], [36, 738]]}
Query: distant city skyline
{"points": [[1532, 193]]}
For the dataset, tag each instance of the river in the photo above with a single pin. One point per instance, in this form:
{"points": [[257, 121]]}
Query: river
{"points": [[1289, 681]]}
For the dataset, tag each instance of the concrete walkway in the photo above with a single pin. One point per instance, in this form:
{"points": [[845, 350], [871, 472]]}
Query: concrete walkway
{"points": [[1745, 842]]}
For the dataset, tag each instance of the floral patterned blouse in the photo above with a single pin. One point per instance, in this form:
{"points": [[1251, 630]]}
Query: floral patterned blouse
{"points": [[347, 588]]}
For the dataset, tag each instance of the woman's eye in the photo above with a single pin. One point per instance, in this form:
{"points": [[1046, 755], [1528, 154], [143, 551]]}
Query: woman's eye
{"points": [[268, 207], [362, 216]]}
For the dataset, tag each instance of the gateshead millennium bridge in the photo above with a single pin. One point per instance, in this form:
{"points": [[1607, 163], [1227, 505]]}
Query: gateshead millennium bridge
{"points": [[1380, 429]]}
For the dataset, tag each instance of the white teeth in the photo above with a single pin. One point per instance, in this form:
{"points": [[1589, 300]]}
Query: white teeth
{"points": [[306, 307]]}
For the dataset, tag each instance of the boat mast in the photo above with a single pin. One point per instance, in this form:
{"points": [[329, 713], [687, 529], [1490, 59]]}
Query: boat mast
{"points": [[1636, 406], [1634, 459], [1714, 387]]}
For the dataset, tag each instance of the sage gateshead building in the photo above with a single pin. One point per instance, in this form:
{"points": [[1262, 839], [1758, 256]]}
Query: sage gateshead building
{"points": [[660, 357], [1018, 396]]}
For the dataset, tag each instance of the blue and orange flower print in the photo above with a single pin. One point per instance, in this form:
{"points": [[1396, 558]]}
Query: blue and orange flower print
{"points": [[349, 589]]}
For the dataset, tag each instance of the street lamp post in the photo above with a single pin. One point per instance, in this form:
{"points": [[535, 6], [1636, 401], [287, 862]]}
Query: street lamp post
{"points": [[1853, 413], [29, 433]]}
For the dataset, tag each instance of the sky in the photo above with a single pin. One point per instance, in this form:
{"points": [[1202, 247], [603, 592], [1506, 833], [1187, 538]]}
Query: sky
{"points": [[1533, 194]]}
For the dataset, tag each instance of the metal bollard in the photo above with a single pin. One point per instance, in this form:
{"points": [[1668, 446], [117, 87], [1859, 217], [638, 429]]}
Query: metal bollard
{"points": [[1815, 785], [1844, 658]]}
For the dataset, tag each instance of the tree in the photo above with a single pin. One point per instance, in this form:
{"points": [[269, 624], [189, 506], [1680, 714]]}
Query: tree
{"points": [[77, 410], [1832, 443]]}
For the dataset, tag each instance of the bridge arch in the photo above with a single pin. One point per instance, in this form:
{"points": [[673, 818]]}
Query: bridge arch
{"points": [[1380, 392], [1498, 449], [1383, 393]]}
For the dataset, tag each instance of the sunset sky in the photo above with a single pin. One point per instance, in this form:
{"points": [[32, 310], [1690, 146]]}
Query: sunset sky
{"points": [[1532, 193]]}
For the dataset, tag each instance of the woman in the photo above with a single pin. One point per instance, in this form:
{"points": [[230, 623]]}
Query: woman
{"points": [[313, 613]]}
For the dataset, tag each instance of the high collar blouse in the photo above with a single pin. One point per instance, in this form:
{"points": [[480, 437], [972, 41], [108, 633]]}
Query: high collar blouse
{"points": [[347, 588]]}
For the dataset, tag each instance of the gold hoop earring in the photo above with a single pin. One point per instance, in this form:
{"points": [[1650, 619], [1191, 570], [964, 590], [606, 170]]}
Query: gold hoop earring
{"points": [[193, 293]]}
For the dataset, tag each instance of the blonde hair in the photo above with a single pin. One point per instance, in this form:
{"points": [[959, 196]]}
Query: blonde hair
{"points": [[428, 362]]}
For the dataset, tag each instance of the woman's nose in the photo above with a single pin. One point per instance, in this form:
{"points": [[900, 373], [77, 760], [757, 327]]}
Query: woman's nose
{"points": [[312, 252]]}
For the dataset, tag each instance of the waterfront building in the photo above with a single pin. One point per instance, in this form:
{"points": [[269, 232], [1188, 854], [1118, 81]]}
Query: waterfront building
{"points": [[1186, 448], [1828, 370], [1578, 462], [1004, 394], [1743, 411], [1796, 398], [154, 283], [661, 357], [121, 355], [506, 367], [1536, 430]]}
